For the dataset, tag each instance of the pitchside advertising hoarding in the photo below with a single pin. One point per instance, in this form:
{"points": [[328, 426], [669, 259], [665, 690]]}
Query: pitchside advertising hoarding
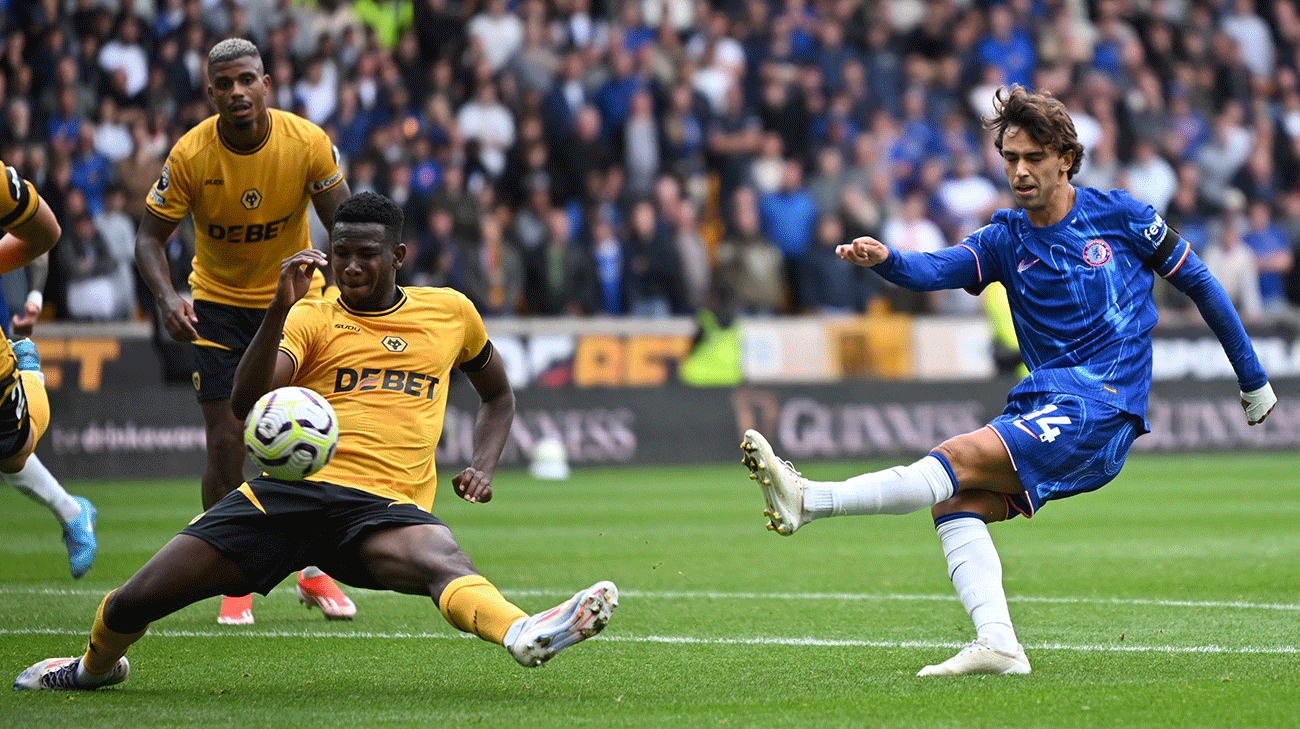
{"points": [[615, 399]]}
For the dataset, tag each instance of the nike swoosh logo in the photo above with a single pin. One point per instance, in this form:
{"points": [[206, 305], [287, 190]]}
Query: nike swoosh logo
{"points": [[1025, 266]]}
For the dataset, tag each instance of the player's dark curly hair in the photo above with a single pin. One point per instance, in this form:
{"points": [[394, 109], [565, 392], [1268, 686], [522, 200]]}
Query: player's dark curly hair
{"points": [[1042, 116], [368, 207]]}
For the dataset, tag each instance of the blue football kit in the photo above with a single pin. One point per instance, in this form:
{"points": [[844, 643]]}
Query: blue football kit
{"points": [[1080, 296]]}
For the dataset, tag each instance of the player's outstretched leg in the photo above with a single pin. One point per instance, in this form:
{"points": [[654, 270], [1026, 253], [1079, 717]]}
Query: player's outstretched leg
{"points": [[782, 486], [317, 589], [534, 640], [79, 537], [979, 657], [67, 674]]}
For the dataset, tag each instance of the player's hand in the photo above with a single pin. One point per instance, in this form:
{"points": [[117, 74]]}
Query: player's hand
{"points": [[1258, 403], [22, 326], [180, 320], [864, 251], [296, 274], [473, 485]]}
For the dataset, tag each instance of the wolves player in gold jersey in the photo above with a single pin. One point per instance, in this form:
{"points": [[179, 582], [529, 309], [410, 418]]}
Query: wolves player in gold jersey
{"points": [[381, 355], [245, 175], [30, 230]]}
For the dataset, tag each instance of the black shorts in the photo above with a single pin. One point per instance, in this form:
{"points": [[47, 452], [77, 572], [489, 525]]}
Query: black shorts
{"points": [[15, 425], [224, 333], [294, 524]]}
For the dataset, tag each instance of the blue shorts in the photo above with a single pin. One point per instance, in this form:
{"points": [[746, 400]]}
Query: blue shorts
{"points": [[1062, 445]]}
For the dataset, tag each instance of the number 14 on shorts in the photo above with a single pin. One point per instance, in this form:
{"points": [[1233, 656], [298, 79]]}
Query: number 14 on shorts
{"points": [[1045, 422]]}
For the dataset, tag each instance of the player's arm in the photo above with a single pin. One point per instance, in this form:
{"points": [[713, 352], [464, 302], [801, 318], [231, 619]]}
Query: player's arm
{"points": [[264, 367], [950, 268], [151, 259], [1178, 263], [38, 272], [25, 242], [496, 411], [326, 202]]}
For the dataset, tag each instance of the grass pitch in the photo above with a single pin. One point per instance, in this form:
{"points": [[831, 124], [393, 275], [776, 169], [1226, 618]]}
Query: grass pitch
{"points": [[1169, 598]]}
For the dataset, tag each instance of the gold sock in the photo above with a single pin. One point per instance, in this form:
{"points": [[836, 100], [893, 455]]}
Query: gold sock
{"points": [[472, 604], [106, 645], [38, 404]]}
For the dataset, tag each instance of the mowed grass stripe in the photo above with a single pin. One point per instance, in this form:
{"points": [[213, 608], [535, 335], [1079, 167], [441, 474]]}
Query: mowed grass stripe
{"points": [[691, 640]]}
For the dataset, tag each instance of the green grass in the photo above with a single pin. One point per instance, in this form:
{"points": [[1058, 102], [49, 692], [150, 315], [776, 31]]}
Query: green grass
{"points": [[1169, 598]]}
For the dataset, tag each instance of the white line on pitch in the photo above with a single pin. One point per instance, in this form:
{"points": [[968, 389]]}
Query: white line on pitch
{"points": [[706, 595], [690, 640]]}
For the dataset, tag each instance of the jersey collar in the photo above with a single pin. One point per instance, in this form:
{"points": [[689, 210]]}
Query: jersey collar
{"points": [[270, 126], [401, 299]]}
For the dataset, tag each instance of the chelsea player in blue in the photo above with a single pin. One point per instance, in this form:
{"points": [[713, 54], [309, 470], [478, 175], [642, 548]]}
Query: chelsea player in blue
{"points": [[1077, 264]]}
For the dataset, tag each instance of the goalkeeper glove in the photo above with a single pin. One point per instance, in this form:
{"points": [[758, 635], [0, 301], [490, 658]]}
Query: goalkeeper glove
{"points": [[1258, 403]]}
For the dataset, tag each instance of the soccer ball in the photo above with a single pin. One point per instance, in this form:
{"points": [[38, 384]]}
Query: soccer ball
{"points": [[291, 433]]}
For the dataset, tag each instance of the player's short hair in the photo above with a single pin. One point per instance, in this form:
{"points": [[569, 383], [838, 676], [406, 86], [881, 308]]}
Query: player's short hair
{"points": [[368, 207], [231, 49], [1043, 117]]}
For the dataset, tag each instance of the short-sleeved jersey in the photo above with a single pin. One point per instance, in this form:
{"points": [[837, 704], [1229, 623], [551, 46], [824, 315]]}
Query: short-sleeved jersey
{"points": [[18, 203], [386, 374], [249, 207], [18, 199]]}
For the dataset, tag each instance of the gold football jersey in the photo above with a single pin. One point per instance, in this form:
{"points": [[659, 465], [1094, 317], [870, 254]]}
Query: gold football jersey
{"points": [[249, 208], [18, 203], [18, 199], [385, 373]]}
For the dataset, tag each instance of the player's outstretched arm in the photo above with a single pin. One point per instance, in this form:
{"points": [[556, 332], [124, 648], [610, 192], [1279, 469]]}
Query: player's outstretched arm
{"points": [[1193, 278], [24, 243], [151, 259], [865, 251], [264, 367], [496, 411]]}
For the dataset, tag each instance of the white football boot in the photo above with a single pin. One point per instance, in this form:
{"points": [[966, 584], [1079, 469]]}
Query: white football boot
{"points": [[539, 637], [782, 485], [60, 674], [980, 657]]}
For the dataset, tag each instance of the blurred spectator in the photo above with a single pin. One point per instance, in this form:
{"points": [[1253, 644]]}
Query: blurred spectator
{"points": [[90, 271], [495, 33], [1233, 265], [652, 278], [788, 217], [92, 172], [487, 121], [117, 230], [834, 288], [112, 138], [697, 278], [641, 150], [492, 273], [1272, 252], [607, 254], [387, 18], [124, 59], [1150, 177], [1007, 45], [910, 230], [750, 268], [561, 278], [967, 199]]}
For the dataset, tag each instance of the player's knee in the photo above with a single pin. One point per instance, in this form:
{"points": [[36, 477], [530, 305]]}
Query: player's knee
{"points": [[121, 609], [989, 505]]}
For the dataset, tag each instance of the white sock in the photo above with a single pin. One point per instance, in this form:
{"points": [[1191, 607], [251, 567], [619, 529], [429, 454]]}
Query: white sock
{"points": [[310, 572], [512, 633], [39, 484], [976, 573], [899, 490]]}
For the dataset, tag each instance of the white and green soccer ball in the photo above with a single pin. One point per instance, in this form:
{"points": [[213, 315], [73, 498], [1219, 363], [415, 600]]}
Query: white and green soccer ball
{"points": [[291, 433]]}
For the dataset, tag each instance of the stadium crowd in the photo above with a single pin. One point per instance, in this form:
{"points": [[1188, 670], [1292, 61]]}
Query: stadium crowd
{"points": [[649, 157]]}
